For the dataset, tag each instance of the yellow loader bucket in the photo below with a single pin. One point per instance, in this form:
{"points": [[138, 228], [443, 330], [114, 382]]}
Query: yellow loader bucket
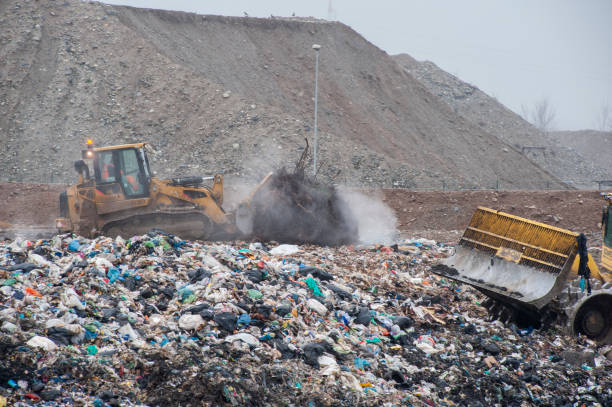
{"points": [[512, 259]]}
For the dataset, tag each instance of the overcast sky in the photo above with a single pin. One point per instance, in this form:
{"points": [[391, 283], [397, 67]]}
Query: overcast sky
{"points": [[519, 51]]}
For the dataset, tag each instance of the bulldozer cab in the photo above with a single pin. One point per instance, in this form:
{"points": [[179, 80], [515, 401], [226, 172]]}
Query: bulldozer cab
{"points": [[122, 169]]}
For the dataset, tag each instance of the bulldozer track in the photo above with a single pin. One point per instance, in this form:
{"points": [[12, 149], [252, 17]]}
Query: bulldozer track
{"points": [[194, 226]]}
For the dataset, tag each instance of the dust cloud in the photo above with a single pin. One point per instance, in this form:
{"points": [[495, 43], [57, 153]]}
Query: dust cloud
{"points": [[376, 221], [290, 208], [255, 167]]}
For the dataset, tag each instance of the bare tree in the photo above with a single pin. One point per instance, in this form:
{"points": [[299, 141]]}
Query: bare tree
{"points": [[541, 115], [525, 113], [604, 118]]}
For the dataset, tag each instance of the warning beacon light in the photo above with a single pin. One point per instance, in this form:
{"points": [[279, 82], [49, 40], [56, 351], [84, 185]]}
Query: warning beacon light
{"points": [[89, 152]]}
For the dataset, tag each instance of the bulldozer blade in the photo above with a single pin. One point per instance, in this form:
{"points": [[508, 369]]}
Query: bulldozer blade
{"points": [[245, 213], [518, 261]]}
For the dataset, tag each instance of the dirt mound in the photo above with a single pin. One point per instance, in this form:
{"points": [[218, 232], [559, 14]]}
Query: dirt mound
{"points": [[594, 146], [572, 159], [30, 204], [227, 94], [434, 215], [445, 215]]}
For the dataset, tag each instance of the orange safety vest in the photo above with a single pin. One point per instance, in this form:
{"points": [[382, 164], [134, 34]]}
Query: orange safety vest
{"points": [[108, 170], [135, 185]]}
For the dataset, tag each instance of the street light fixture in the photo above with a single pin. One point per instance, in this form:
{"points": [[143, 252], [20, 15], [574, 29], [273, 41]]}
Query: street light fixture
{"points": [[316, 47]]}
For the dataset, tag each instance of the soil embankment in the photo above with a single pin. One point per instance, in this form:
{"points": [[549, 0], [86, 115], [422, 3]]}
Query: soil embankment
{"points": [[437, 215]]}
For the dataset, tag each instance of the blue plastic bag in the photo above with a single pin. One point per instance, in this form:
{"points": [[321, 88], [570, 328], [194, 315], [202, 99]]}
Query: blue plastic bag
{"points": [[74, 245]]}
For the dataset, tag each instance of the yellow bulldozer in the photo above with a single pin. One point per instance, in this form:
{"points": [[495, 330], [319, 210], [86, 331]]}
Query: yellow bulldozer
{"points": [[119, 196], [122, 197], [528, 268]]}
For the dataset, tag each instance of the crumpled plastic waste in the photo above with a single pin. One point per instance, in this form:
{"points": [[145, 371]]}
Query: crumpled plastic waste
{"points": [[285, 250], [157, 320]]}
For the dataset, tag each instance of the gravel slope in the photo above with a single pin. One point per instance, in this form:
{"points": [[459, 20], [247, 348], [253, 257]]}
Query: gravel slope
{"points": [[228, 94], [571, 157]]}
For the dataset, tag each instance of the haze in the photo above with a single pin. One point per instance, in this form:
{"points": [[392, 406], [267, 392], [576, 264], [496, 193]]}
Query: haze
{"points": [[518, 51]]}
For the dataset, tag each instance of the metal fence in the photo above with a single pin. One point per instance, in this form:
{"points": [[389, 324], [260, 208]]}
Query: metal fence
{"points": [[494, 185], [441, 185]]}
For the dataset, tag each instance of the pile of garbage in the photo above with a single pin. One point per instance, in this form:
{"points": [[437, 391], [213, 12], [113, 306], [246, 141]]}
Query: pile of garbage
{"points": [[156, 320], [291, 208], [294, 208]]}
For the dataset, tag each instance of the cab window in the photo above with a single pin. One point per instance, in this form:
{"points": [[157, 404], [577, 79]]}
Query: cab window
{"points": [[130, 176], [608, 231], [106, 167]]}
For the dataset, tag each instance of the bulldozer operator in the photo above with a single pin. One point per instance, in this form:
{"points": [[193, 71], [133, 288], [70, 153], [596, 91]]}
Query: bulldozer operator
{"points": [[108, 174], [108, 168]]}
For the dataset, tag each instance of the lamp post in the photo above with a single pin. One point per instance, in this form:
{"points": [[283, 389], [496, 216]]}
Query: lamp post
{"points": [[316, 47]]}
